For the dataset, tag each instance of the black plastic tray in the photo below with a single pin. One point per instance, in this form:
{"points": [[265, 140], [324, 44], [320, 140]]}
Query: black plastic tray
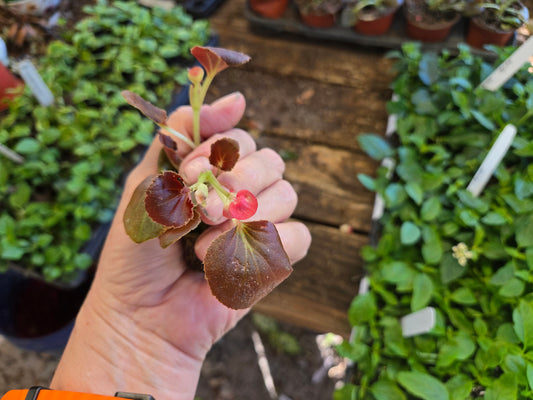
{"points": [[201, 8], [290, 22]]}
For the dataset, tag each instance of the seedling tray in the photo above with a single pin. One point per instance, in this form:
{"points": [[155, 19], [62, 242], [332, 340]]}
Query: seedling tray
{"points": [[290, 22]]}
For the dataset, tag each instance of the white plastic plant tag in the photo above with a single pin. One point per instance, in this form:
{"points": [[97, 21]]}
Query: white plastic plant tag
{"points": [[3, 53], [492, 160], [364, 285], [509, 67], [419, 322], [8, 153], [35, 82]]}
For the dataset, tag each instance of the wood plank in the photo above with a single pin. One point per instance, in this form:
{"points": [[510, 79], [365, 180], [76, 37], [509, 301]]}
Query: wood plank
{"points": [[302, 108], [289, 55], [326, 183], [318, 293]]}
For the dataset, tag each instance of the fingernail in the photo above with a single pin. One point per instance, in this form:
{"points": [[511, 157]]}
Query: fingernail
{"points": [[228, 99]]}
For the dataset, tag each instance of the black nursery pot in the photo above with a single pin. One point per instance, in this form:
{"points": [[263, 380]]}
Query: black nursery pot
{"points": [[35, 315]]}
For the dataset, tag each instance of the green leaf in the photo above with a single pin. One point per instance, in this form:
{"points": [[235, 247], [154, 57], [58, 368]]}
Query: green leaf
{"points": [[367, 181], [458, 348], [484, 121], [27, 146], [432, 247], [362, 309], [503, 388], [523, 322], [524, 230], [422, 292], [137, 223], [529, 372], [409, 233], [431, 209], [450, 269], [375, 146], [512, 288], [385, 389], [429, 69], [459, 387], [423, 385], [464, 295], [415, 192]]}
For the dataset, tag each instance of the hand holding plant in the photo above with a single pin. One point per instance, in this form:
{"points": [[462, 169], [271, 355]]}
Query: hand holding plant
{"points": [[149, 319]]}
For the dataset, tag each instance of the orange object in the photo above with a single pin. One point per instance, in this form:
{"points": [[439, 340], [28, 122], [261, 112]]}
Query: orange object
{"points": [[8, 85], [41, 393]]}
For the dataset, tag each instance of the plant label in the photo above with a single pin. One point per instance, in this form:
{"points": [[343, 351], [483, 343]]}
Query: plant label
{"points": [[35, 82], [364, 285], [509, 67], [3, 53], [419, 322], [492, 160]]}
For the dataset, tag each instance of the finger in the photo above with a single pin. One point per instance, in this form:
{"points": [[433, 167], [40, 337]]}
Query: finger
{"points": [[294, 236], [276, 203], [220, 116], [198, 160], [255, 173]]}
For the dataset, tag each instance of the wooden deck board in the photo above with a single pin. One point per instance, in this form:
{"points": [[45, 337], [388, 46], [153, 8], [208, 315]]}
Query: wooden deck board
{"points": [[311, 99]]}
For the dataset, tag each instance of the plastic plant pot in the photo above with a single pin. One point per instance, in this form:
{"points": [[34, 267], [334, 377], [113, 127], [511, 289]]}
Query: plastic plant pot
{"points": [[269, 8], [10, 86], [318, 20], [478, 35]]}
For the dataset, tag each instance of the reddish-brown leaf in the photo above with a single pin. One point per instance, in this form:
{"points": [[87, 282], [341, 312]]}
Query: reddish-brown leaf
{"points": [[246, 263], [167, 200], [156, 114], [172, 235], [137, 223], [224, 154], [216, 59]]}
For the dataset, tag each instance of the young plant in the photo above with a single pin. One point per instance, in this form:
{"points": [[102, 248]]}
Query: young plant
{"points": [[505, 14], [241, 265]]}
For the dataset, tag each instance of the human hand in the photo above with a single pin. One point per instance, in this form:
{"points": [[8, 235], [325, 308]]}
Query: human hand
{"points": [[148, 320]]}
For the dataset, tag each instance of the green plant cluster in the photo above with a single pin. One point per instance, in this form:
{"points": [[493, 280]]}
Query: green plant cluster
{"points": [[78, 150], [471, 258]]}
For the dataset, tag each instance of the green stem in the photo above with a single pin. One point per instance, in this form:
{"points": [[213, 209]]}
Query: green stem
{"points": [[209, 177], [179, 135], [197, 95]]}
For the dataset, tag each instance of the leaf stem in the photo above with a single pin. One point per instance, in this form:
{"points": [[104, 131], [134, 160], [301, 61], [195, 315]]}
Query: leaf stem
{"points": [[179, 135], [197, 95], [209, 177]]}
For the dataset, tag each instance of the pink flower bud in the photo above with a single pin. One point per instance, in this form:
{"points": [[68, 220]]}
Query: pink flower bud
{"points": [[243, 206]]}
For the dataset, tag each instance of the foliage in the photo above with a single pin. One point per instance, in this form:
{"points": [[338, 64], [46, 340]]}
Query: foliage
{"points": [[506, 14], [353, 10], [244, 263], [471, 258], [78, 150]]}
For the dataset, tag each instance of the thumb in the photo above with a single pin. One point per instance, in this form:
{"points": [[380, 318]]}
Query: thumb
{"points": [[220, 116]]}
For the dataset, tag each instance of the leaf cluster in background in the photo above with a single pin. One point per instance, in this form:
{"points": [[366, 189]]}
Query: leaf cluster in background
{"points": [[78, 150], [469, 258]]}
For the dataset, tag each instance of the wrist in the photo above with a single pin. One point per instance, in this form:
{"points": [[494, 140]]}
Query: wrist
{"points": [[109, 352]]}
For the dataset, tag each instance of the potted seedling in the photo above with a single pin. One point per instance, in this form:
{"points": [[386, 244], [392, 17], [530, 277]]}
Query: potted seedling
{"points": [[371, 17], [246, 262], [319, 13], [496, 22], [432, 20]]}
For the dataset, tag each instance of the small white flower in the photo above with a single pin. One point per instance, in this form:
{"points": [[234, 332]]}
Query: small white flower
{"points": [[462, 254]]}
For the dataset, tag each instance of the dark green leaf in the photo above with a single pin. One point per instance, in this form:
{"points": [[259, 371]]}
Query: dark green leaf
{"points": [[385, 389], [503, 388], [362, 309]]}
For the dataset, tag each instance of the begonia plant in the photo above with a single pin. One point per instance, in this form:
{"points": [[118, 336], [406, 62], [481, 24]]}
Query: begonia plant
{"points": [[241, 265]]}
